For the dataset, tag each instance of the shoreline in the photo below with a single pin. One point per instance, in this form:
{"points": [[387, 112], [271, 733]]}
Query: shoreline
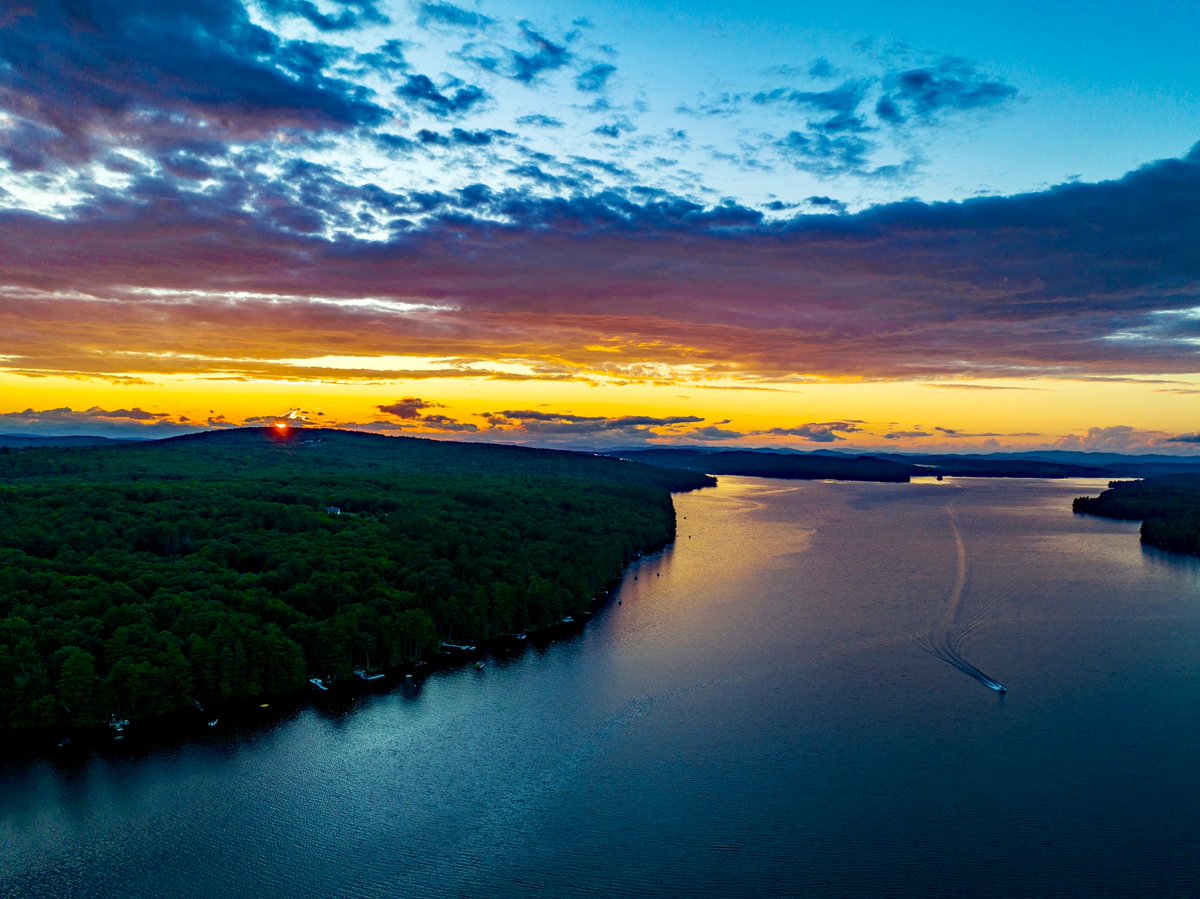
{"points": [[192, 725]]}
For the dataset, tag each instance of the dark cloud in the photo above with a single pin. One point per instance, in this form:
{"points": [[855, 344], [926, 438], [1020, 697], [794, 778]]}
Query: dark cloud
{"points": [[956, 433], [409, 408], [1080, 280], [541, 121], [134, 414], [412, 415], [611, 130], [393, 145], [816, 432], [714, 432], [182, 164], [927, 94], [450, 425], [419, 91], [840, 102], [826, 203], [595, 77], [461, 137], [535, 173], [821, 68], [835, 139], [388, 57], [556, 426], [451, 15], [601, 165], [906, 435], [1185, 438], [135, 422], [843, 128], [351, 14], [824, 153], [546, 55], [524, 65], [75, 78]]}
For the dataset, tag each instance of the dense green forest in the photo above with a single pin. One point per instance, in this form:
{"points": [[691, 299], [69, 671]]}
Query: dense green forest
{"points": [[142, 579], [1168, 506]]}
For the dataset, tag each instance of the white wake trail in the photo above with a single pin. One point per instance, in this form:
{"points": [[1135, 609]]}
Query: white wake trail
{"points": [[946, 640]]}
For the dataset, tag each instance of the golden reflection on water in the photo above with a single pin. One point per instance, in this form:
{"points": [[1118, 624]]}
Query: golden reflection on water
{"points": [[752, 714]]}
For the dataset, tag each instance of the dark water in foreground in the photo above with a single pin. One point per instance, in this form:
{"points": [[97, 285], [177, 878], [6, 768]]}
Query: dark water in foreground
{"points": [[758, 718]]}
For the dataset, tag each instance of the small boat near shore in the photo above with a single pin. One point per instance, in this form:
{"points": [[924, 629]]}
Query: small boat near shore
{"points": [[318, 684]]}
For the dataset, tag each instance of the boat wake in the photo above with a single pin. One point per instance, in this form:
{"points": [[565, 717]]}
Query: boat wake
{"points": [[946, 639]]}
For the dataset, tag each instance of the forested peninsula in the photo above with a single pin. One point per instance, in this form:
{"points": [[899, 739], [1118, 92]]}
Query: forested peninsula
{"points": [[901, 467], [142, 579], [1168, 507]]}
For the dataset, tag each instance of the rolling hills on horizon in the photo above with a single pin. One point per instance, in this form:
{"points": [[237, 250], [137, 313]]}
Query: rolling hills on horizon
{"points": [[836, 465]]}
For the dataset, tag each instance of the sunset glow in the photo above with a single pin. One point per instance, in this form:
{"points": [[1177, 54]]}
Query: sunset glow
{"points": [[505, 223]]}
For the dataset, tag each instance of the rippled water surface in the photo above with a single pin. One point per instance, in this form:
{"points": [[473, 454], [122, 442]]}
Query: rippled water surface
{"points": [[759, 716]]}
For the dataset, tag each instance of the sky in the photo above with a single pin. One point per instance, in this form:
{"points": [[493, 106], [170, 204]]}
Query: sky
{"points": [[854, 226]]}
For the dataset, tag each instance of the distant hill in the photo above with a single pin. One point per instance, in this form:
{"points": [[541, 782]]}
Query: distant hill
{"points": [[1053, 464], [793, 466], [883, 466], [951, 465], [24, 441]]}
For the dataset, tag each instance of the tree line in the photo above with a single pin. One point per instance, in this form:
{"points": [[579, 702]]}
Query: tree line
{"points": [[1168, 507], [140, 580]]}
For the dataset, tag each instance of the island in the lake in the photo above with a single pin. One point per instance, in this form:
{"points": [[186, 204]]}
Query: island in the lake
{"points": [[143, 579]]}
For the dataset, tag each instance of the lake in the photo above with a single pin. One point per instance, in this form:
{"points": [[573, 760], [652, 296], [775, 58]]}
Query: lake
{"points": [[757, 716]]}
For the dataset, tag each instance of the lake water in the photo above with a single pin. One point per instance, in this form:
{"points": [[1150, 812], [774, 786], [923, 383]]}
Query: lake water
{"points": [[757, 717]]}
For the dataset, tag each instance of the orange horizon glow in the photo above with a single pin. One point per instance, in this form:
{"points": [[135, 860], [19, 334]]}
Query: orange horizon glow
{"points": [[958, 416]]}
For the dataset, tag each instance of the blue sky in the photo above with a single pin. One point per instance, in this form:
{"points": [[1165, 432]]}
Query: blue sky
{"points": [[700, 99], [1105, 86], [1099, 88]]}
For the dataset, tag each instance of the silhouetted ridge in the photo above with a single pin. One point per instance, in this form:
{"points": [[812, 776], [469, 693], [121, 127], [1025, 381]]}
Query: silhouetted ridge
{"points": [[776, 465]]}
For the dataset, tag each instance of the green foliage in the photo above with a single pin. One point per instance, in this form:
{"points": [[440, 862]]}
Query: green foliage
{"points": [[1169, 508], [138, 580]]}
